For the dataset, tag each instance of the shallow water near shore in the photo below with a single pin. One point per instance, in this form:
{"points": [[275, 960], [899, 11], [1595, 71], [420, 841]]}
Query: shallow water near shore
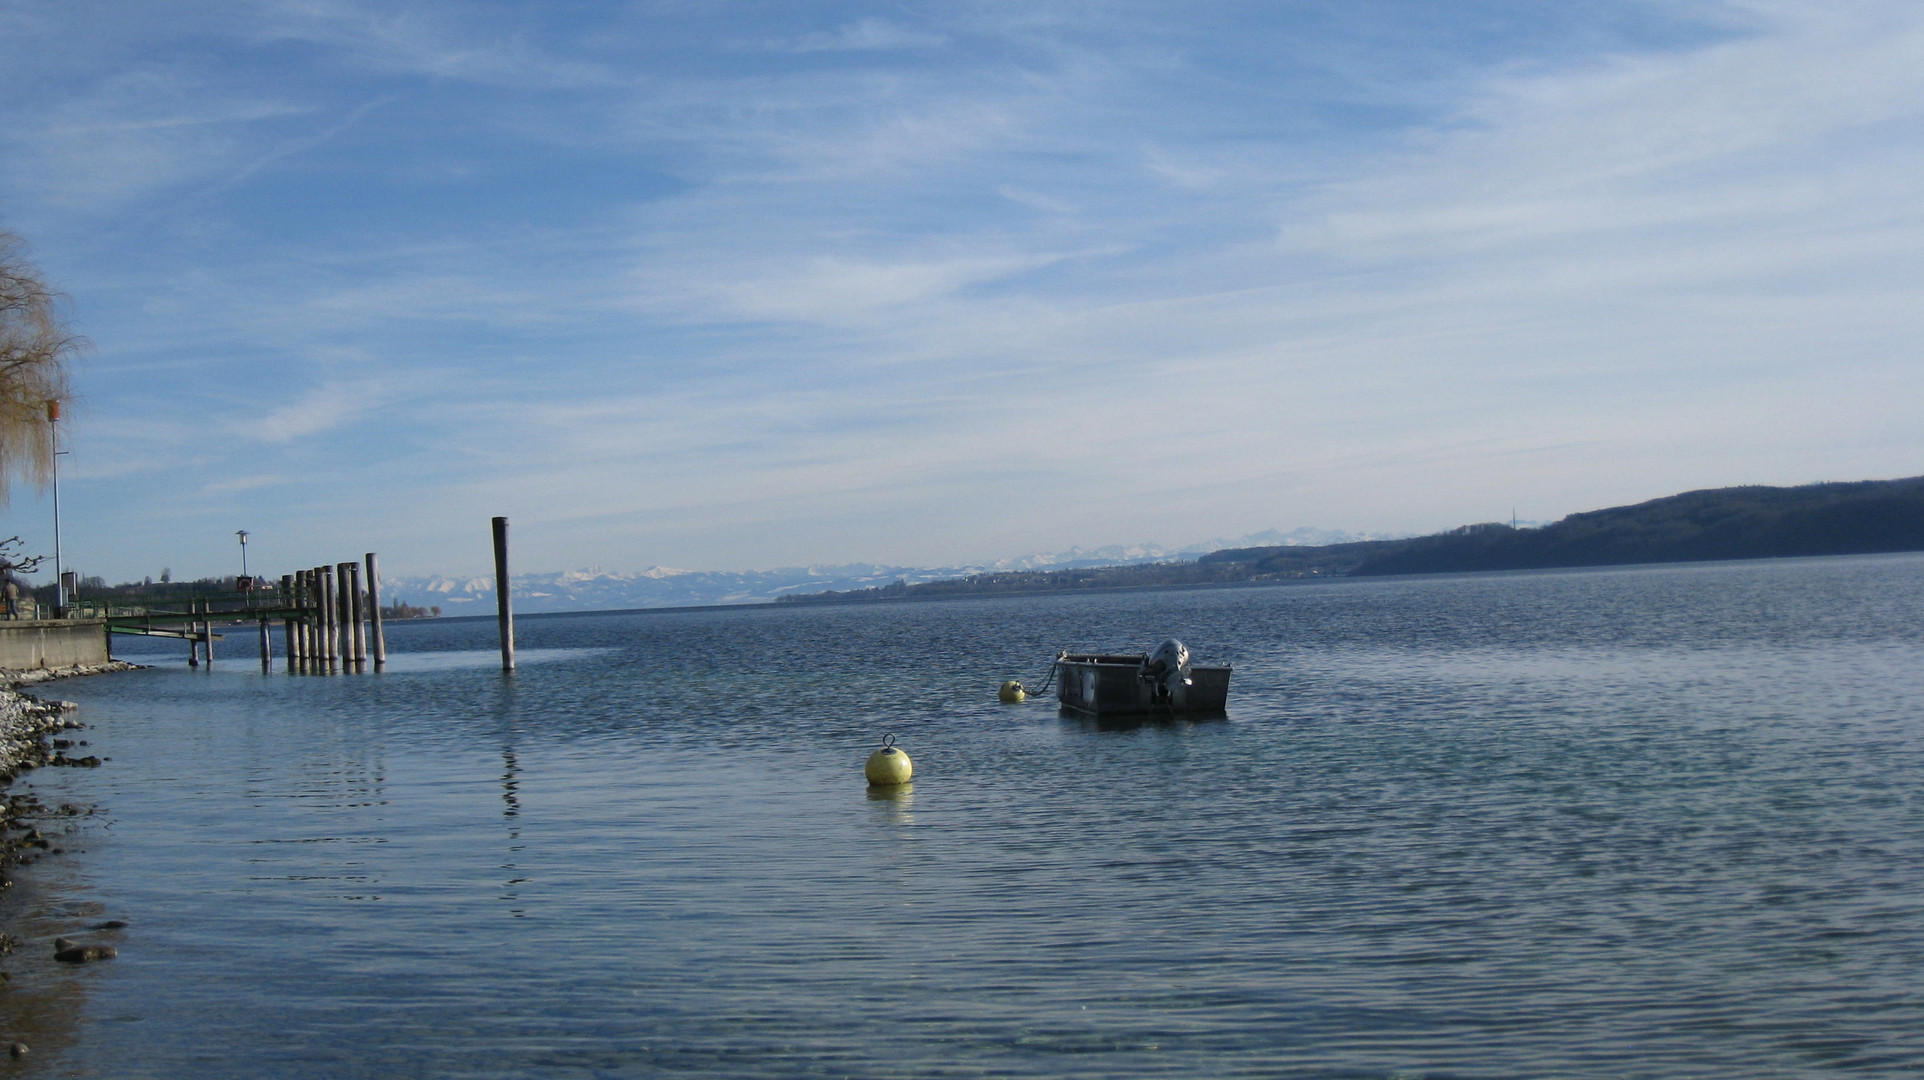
{"points": [[1616, 823]]}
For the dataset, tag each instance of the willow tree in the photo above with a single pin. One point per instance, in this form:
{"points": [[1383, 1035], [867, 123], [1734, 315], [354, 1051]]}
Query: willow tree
{"points": [[35, 347]]}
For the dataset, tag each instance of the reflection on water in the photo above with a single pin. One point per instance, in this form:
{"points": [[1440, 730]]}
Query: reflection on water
{"points": [[1623, 823], [159, 653], [511, 801], [896, 803], [455, 660]]}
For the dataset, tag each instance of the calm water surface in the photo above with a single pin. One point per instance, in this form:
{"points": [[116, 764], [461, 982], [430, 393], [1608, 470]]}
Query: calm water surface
{"points": [[1626, 823]]}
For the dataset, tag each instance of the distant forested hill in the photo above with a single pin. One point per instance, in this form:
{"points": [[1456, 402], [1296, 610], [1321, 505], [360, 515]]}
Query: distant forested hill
{"points": [[1725, 523], [1860, 518]]}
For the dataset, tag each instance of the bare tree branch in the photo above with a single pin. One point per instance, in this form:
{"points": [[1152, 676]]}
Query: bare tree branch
{"points": [[35, 348], [11, 562]]}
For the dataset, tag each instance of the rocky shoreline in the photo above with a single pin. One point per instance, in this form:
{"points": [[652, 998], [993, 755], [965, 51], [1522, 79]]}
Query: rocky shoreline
{"points": [[14, 680], [31, 738], [37, 733]]}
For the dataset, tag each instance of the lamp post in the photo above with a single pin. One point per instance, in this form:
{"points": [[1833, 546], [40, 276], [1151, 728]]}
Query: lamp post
{"points": [[59, 580], [246, 582]]}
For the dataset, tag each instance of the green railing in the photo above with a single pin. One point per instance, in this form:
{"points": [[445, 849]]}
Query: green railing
{"points": [[215, 603]]}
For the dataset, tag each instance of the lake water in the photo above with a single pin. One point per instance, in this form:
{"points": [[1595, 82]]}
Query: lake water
{"points": [[1643, 822]]}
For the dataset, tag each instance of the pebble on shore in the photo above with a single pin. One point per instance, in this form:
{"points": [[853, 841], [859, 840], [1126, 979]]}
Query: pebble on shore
{"points": [[80, 954]]}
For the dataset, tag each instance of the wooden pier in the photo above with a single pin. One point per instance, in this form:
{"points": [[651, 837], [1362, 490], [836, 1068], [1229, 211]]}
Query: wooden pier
{"points": [[329, 622]]}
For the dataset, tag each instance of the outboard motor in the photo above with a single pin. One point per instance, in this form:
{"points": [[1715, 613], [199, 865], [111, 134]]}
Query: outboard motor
{"points": [[1168, 667]]}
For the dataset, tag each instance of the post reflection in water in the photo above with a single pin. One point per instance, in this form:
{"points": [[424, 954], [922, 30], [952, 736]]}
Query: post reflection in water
{"points": [[510, 798]]}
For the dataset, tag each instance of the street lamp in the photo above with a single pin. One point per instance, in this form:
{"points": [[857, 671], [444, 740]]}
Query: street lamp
{"points": [[242, 533], [59, 579]]}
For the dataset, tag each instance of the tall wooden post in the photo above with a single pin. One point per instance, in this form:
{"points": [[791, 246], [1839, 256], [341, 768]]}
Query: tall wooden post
{"points": [[287, 623], [330, 641], [334, 587], [310, 641], [351, 611], [344, 615], [356, 611], [502, 605], [356, 615], [378, 636], [311, 619], [311, 631], [207, 632], [193, 634], [343, 640], [267, 645], [303, 594]]}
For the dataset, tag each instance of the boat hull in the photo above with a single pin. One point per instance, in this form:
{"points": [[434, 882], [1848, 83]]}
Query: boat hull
{"points": [[1110, 685]]}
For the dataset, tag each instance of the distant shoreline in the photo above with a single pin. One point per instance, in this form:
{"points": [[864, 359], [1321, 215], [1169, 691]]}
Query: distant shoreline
{"points": [[1330, 579], [1867, 517]]}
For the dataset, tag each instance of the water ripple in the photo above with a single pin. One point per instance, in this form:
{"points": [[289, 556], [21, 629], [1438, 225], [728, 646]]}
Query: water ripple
{"points": [[1622, 823]]}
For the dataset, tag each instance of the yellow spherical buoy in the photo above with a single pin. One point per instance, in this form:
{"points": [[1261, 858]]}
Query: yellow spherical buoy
{"points": [[1012, 693], [888, 766]]}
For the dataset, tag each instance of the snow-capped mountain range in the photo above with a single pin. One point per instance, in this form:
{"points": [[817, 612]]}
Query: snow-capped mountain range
{"points": [[595, 589]]}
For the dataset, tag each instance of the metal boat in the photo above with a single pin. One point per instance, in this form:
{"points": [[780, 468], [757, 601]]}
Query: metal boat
{"points": [[1158, 683]]}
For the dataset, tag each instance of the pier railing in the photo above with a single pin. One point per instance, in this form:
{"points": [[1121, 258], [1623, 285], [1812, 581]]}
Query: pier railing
{"points": [[235, 603], [240, 605], [330, 620]]}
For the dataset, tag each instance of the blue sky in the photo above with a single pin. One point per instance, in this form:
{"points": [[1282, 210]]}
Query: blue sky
{"points": [[743, 285]]}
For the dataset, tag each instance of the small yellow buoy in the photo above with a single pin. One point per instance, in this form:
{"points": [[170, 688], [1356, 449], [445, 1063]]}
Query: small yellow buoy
{"points": [[1012, 693], [888, 766]]}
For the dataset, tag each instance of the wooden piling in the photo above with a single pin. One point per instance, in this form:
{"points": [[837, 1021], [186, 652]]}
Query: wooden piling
{"points": [[193, 634], [356, 615], [335, 586], [312, 630], [330, 599], [307, 618], [267, 645], [377, 636], [356, 637], [304, 622], [343, 617], [503, 608], [288, 603], [310, 619], [302, 591], [343, 643]]}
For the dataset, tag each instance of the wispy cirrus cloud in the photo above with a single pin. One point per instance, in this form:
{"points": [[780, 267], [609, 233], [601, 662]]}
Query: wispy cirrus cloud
{"points": [[245, 483], [1720, 136], [862, 35], [134, 134], [321, 409], [845, 291], [424, 40]]}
